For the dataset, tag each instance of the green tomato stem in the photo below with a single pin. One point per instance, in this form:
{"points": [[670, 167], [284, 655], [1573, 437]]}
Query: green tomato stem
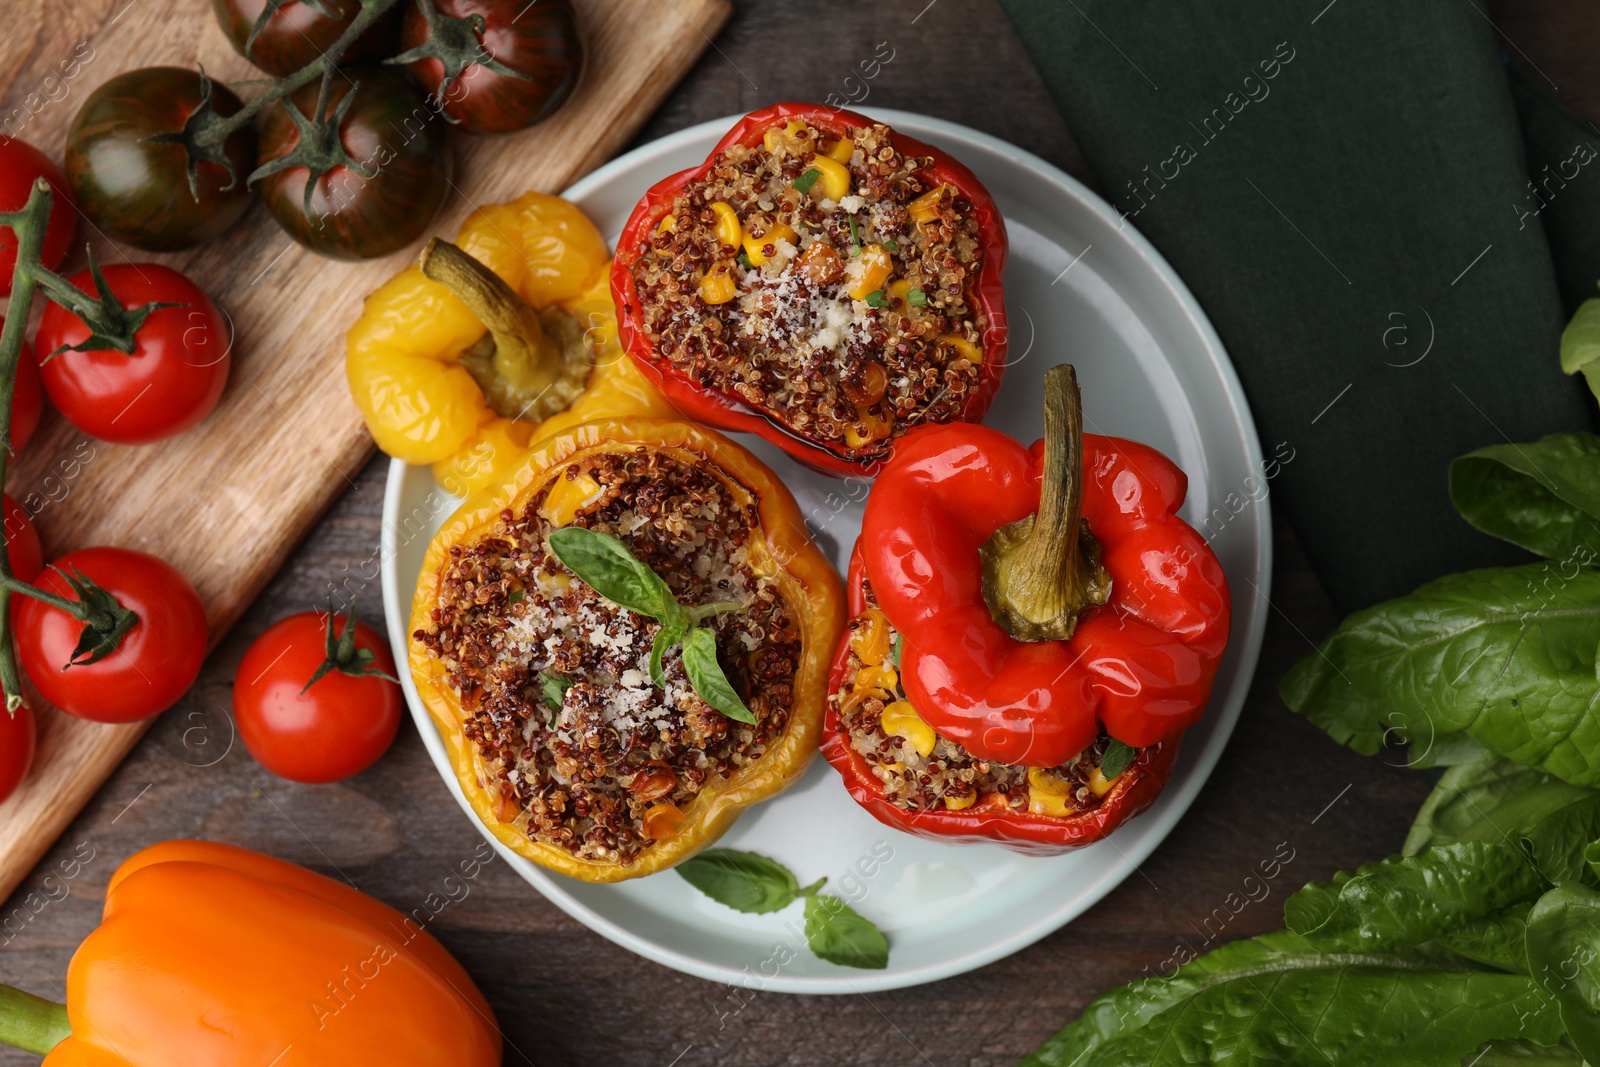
{"points": [[216, 133], [31, 1023]]}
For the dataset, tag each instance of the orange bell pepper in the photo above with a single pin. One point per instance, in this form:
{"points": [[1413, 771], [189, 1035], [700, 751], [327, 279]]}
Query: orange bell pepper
{"points": [[215, 956]]}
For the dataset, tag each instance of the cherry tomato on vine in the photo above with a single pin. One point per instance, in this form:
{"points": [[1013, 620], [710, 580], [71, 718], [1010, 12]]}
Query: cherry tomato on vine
{"points": [[169, 383], [22, 544], [378, 184], [27, 398], [21, 165], [135, 185], [18, 738], [153, 662], [295, 33], [517, 70], [335, 726]]}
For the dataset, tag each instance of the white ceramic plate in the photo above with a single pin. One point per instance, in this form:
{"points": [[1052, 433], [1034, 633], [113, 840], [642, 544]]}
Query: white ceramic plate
{"points": [[1084, 286]]}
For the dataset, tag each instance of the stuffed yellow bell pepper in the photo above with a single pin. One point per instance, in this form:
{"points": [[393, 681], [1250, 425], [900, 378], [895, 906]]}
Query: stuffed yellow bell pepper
{"points": [[505, 336], [624, 644]]}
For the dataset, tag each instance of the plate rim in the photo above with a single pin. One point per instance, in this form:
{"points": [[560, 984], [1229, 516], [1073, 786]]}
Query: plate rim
{"points": [[1174, 804]]}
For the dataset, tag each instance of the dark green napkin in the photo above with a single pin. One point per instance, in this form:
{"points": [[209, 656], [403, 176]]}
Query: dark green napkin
{"points": [[1344, 187]]}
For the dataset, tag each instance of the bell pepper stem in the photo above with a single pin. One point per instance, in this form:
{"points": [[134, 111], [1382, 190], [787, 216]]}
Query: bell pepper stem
{"points": [[531, 364], [31, 1023], [1041, 573]]}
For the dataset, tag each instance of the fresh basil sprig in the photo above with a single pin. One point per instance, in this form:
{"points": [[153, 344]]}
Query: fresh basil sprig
{"points": [[605, 564], [1116, 760], [754, 884]]}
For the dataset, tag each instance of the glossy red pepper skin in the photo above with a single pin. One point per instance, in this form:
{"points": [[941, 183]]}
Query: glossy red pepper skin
{"points": [[728, 412], [1142, 664]]}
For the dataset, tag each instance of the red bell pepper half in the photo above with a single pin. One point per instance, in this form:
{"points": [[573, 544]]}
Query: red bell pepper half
{"points": [[725, 410], [1049, 606]]}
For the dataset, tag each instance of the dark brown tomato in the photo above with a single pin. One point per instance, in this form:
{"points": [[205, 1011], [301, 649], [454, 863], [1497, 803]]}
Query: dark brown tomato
{"points": [[137, 190], [391, 132], [540, 41], [296, 34]]}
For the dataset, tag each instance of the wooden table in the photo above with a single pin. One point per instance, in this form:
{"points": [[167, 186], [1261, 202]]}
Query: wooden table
{"points": [[565, 995]]}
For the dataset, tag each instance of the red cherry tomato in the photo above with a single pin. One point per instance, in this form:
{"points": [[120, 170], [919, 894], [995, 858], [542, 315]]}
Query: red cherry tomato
{"points": [[27, 399], [170, 382], [21, 165], [18, 735], [338, 726], [22, 543], [153, 665]]}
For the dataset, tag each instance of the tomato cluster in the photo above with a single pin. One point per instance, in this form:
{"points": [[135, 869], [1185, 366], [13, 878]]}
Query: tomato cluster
{"points": [[354, 164]]}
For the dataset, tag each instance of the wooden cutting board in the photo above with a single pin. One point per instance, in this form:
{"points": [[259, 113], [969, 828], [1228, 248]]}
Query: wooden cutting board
{"points": [[227, 501]]}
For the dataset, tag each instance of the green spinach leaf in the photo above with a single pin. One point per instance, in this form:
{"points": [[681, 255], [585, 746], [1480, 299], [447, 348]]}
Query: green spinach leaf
{"points": [[1508, 656], [1564, 952], [1496, 940], [1580, 344], [1276, 1000], [1407, 900], [1557, 843], [1489, 800], [1543, 496]]}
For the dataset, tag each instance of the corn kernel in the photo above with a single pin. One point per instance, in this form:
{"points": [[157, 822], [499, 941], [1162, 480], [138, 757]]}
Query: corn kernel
{"points": [[566, 498], [668, 224], [729, 230], [1099, 784], [869, 271], [961, 803], [839, 151], [925, 208], [754, 247], [965, 349], [873, 427], [883, 676], [718, 287], [775, 137], [902, 719], [854, 698], [872, 637], [1049, 795], [833, 178]]}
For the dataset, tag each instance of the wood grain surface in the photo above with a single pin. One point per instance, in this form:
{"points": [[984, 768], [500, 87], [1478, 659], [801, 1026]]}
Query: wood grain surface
{"points": [[566, 996], [226, 502]]}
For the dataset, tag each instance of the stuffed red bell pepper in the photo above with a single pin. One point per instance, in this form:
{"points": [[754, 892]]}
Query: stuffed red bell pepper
{"points": [[1031, 631], [821, 280]]}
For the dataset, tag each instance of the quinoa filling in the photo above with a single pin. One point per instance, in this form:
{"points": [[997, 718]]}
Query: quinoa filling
{"points": [[580, 749], [825, 284], [920, 769]]}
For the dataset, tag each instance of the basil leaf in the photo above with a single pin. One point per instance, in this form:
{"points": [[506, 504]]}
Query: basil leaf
{"points": [[916, 298], [1506, 656], [1543, 496], [1406, 900], [1117, 758], [1498, 940], [666, 638], [804, 183], [1580, 344], [554, 687], [855, 237], [1276, 1000], [743, 881], [1556, 844], [1564, 953], [1489, 800], [836, 933], [705, 674], [743, 259], [876, 299], [891, 244], [604, 564]]}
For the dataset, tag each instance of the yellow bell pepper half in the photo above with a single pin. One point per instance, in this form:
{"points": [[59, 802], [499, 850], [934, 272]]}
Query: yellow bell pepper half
{"points": [[402, 356]]}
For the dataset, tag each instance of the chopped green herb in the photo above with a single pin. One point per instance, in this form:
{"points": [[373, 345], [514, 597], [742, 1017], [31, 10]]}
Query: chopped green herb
{"points": [[743, 259], [1117, 758], [515, 596], [877, 299], [889, 243], [897, 650], [555, 688], [855, 237], [807, 180], [917, 298]]}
